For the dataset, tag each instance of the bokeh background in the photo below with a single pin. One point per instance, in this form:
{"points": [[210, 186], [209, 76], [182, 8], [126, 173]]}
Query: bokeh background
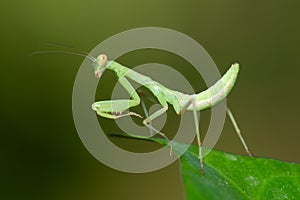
{"points": [[42, 156]]}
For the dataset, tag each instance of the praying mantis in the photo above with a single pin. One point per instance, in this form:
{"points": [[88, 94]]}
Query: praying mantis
{"points": [[181, 102]]}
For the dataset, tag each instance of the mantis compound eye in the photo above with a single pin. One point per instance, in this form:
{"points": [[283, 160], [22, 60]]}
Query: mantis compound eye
{"points": [[102, 59], [101, 62]]}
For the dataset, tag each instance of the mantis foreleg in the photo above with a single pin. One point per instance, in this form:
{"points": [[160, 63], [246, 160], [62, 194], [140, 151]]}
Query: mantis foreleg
{"points": [[114, 109]]}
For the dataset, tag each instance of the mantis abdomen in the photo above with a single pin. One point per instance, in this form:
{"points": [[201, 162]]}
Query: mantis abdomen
{"points": [[219, 90]]}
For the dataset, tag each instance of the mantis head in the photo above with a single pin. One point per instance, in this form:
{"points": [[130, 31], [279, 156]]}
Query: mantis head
{"points": [[100, 65]]}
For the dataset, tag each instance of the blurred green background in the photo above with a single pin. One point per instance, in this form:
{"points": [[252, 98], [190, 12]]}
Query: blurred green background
{"points": [[42, 156]]}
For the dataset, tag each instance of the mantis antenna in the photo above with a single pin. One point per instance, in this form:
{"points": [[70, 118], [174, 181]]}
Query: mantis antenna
{"points": [[69, 47], [81, 53], [65, 52]]}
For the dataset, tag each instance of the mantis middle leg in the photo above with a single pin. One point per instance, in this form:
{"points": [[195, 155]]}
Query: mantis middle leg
{"points": [[183, 109], [149, 119], [147, 115]]}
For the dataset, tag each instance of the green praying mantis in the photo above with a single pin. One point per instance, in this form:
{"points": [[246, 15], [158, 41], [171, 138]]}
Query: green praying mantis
{"points": [[181, 102]]}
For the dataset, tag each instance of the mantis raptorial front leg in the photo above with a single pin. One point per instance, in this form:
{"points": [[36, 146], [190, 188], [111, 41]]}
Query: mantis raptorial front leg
{"points": [[114, 109]]}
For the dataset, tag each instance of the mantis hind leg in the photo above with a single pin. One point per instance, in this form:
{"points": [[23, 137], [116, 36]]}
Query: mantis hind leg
{"points": [[238, 132], [114, 109]]}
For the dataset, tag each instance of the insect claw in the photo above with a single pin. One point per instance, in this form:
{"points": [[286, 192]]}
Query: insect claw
{"points": [[135, 114], [147, 121]]}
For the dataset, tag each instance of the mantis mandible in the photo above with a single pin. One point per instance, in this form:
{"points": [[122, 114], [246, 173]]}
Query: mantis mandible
{"points": [[181, 102]]}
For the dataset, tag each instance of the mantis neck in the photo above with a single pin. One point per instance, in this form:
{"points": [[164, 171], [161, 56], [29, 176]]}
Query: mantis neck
{"points": [[122, 71]]}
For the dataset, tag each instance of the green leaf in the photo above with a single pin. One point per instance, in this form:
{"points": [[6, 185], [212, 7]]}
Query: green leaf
{"points": [[229, 176]]}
